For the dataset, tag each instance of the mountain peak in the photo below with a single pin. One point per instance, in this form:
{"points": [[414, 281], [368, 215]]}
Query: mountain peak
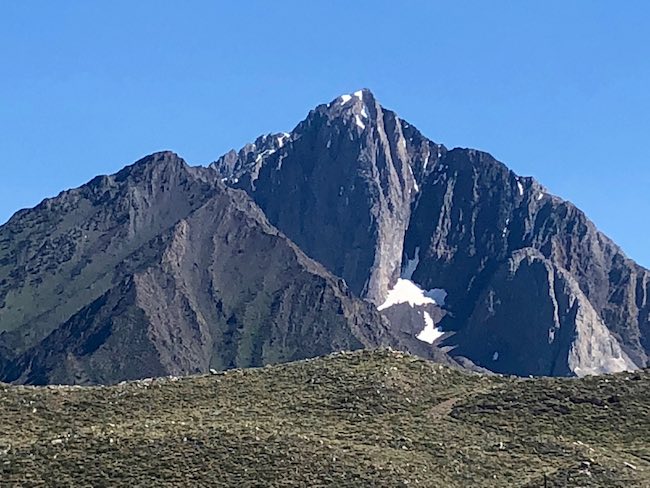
{"points": [[359, 108], [156, 161], [362, 95], [350, 100], [529, 285]]}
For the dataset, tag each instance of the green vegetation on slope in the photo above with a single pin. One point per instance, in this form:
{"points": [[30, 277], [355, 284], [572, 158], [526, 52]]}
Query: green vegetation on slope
{"points": [[368, 418]]}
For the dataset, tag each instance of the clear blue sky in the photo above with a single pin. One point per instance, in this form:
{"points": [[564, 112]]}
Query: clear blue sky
{"points": [[556, 89]]}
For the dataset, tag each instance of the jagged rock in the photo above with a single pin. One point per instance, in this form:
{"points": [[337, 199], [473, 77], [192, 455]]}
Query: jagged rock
{"points": [[167, 269], [485, 213], [364, 193], [203, 280], [564, 335], [340, 186]]}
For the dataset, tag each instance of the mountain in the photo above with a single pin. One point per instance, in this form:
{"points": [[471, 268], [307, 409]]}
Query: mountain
{"points": [[368, 418], [523, 282], [340, 186], [353, 230], [161, 269]]}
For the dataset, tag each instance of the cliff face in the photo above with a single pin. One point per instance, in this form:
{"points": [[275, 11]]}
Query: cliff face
{"points": [[168, 272], [340, 186], [167, 269], [564, 334], [365, 193], [484, 215]]}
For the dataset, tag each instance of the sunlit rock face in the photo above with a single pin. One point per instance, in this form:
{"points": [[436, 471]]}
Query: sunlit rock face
{"points": [[565, 335], [352, 230], [364, 192]]}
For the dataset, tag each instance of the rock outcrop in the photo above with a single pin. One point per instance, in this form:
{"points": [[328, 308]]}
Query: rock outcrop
{"points": [[365, 193], [533, 318], [287, 248], [340, 186], [174, 274]]}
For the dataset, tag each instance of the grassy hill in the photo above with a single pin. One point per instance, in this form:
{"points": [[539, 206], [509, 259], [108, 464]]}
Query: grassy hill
{"points": [[368, 418]]}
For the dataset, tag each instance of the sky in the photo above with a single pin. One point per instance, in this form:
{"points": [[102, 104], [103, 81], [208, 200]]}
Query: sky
{"points": [[557, 90]]}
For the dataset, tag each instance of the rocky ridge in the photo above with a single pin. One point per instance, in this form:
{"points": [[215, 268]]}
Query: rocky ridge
{"points": [[264, 257], [365, 193], [166, 271]]}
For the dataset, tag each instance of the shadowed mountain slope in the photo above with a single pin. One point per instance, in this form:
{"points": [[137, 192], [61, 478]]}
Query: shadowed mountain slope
{"points": [[165, 268], [366, 194], [166, 271]]}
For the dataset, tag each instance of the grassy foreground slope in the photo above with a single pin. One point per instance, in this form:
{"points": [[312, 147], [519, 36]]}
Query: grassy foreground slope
{"points": [[368, 418]]}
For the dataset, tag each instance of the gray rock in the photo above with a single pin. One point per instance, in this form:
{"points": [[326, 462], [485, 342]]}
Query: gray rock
{"points": [[166, 269], [363, 200], [563, 335], [173, 272], [340, 187]]}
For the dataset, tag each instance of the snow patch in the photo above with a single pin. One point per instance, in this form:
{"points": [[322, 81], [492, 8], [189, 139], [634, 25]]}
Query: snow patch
{"points": [[357, 120], [359, 94], [416, 187], [282, 138], [520, 187], [430, 333], [268, 152], [540, 195], [364, 114], [405, 291], [345, 99]]}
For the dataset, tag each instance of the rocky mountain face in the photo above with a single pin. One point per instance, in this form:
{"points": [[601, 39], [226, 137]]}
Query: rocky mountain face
{"points": [[352, 231], [161, 269], [486, 219], [340, 186], [527, 283], [67, 252]]}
